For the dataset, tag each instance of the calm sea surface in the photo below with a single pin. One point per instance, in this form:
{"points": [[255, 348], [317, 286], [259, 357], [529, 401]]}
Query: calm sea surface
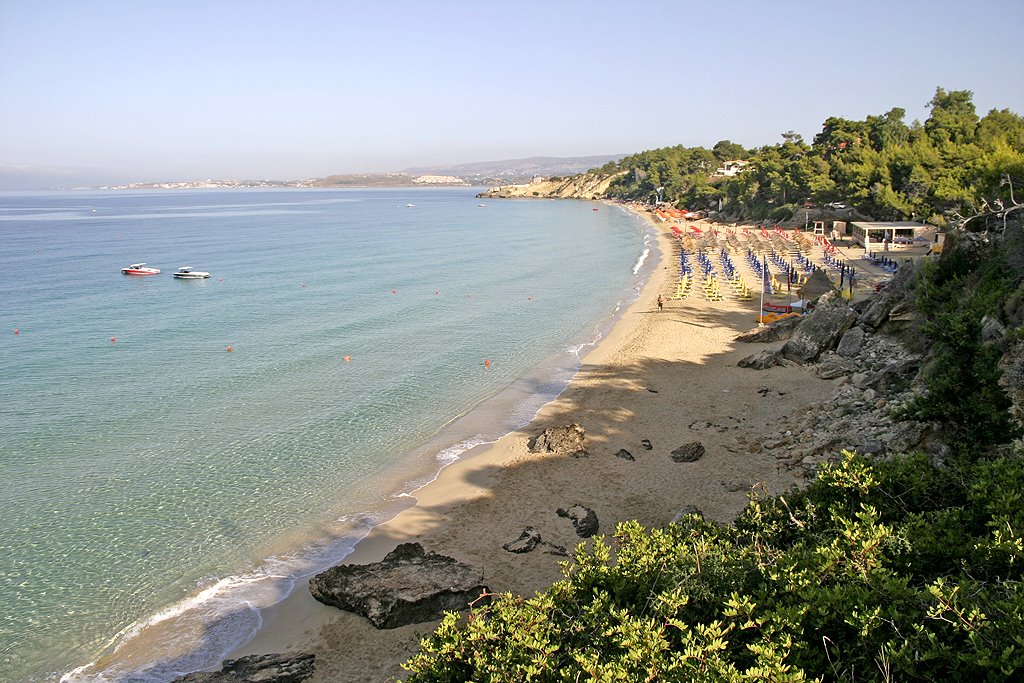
{"points": [[157, 490]]}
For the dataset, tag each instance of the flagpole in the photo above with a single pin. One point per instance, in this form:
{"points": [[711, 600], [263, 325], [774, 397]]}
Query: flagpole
{"points": [[764, 278]]}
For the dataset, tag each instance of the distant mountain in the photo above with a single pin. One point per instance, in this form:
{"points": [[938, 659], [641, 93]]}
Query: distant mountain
{"points": [[486, 173], [515, 170]]}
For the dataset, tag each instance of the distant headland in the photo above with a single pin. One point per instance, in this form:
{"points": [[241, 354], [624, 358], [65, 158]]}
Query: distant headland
{"points": [[484, 173]]}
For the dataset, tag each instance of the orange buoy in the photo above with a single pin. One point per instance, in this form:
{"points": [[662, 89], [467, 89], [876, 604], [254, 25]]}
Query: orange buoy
{"points": [[394, 291], [348, 358], [230, 349], [17, 331], [113, 339], [487, 362]]}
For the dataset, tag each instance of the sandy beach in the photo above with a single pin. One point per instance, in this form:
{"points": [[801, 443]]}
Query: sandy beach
{"points": [[669, 377]]}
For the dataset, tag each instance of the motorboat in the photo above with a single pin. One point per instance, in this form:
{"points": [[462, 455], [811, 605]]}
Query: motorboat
{"points": [[139, 269], [189, 273]]}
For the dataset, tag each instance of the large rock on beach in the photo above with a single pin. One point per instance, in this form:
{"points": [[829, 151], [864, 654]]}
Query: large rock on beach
{"points": [[568, 440], [690, 452], [780, 330], [762, 360], [408, 586], [291, 667], [584, 520], [821, 330]]}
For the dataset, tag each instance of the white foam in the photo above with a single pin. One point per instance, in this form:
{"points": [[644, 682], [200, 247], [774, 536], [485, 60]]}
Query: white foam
{"points": [[640, 261]]}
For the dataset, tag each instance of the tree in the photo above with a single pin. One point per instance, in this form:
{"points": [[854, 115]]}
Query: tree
{"points": [[953, 119], [726, 150]]}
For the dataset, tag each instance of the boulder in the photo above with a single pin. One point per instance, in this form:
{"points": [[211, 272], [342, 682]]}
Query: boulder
{"points": [[584, 520], [761, 360], [832, 366], [291, 667], [408, 586], [820, 330], [897, 292], [780, 330], [646, 443], [624, 454], [690, 452], [563, 440], [851, 342]]}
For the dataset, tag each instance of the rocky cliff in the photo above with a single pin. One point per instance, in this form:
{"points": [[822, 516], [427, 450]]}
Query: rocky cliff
{"points": [[583, 186]]}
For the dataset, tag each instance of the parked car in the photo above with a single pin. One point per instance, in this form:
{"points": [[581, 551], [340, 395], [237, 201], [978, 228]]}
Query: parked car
{"points": [[837, 205]]}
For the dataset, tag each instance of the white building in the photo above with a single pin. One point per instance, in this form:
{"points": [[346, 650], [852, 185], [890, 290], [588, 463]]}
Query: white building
{"points": [[731, 168]]}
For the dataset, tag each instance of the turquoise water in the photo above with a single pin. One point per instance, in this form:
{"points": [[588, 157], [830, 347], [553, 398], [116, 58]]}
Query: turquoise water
{"points": [[152, 477]]}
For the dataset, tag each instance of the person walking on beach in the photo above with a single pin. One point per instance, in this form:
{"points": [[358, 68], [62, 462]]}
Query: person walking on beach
{"points": [[661, 304]]}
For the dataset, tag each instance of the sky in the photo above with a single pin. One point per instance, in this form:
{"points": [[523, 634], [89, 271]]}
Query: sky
{"points": [[117, 91]]}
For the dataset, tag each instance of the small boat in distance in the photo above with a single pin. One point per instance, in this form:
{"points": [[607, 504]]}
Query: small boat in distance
{"points": [[187, 273], [410, 205], [139, 269]]}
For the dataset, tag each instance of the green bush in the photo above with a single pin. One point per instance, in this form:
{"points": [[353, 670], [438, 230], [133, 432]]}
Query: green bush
{"points": [[838, 582]]}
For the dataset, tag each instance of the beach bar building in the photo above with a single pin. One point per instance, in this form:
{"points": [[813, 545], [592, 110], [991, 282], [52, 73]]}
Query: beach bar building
{"points": [[875, 236]]}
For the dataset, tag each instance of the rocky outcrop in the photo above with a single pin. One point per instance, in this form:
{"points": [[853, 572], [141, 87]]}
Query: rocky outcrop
{"points": [[276, 668], [408, 586], [582, 186], [584, 520], [568, 440], [880, 378], [820, 330]]}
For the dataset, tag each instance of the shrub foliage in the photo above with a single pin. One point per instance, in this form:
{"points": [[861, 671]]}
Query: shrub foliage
{"points": [[890, 571]]}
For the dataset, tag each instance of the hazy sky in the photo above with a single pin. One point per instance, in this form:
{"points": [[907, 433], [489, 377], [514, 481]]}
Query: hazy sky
{"points": [[118, 91]]}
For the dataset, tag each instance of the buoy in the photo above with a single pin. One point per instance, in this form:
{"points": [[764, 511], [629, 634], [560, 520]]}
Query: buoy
{"points": [[220, 279], [230, 349], [113, 339], [529, 298], [437, 292], [487, 362], [394, 291], [17, 332], [348, 358]]}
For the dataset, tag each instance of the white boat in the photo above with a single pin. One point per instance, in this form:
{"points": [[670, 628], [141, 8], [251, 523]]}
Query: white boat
{"points": [[139, 269], [188, 273]]}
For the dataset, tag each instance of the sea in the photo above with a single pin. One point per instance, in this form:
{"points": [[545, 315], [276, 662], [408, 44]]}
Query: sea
{"points": [[177, 456]]}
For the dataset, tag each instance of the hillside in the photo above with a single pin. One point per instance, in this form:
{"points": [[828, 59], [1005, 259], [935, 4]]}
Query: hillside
{"points": [[583, 186]]}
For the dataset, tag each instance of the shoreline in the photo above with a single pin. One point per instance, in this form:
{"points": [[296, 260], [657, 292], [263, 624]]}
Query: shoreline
{"points": [[294, 623], [667, 377]]}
